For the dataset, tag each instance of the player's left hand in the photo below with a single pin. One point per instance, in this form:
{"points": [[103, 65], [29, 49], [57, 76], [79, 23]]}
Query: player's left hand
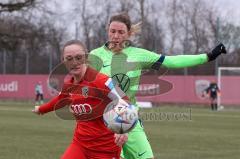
{"points": [[36, 110], [218, 50], [120, 139]]}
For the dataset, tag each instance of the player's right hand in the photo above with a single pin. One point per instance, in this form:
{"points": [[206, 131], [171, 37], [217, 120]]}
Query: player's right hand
{"points": [[120, 139], [36, 110]]}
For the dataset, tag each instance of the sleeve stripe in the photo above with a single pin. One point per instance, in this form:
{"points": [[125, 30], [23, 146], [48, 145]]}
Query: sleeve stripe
{"points": [[109, 83], [113, 95], [115, 92], [158, 63]]}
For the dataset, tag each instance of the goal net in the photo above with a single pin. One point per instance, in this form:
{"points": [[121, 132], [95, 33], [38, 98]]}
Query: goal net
{"points": [[229, 85]]}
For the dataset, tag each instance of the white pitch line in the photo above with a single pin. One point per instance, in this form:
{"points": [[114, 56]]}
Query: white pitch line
{"points": [[15, 109]]}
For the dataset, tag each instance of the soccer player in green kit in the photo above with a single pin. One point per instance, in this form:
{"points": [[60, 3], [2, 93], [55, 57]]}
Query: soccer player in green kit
{"points": [[124, 63]]}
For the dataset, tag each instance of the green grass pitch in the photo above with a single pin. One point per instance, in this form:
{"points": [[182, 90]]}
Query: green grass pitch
{"points": [[174, 132]]}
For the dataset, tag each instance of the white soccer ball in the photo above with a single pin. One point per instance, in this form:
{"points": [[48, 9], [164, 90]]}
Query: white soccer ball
{"points": [[120, 117]]}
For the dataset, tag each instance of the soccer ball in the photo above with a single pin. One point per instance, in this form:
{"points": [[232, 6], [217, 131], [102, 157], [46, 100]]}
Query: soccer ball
{"points": [[120, 117]]}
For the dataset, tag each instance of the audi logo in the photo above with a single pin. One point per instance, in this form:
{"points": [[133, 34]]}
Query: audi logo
{"points": [[79, 109]]}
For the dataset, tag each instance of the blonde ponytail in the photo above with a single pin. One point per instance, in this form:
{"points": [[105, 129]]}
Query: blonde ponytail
{"points": [[136, 28]]}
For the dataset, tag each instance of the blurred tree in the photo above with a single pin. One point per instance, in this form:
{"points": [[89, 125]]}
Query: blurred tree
{"points": [[31, 41], [230, 36], [34, 34], [15, 5]]}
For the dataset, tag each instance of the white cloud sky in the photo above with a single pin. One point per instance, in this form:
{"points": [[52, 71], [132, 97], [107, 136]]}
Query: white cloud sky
{"points": [[229, 9]]}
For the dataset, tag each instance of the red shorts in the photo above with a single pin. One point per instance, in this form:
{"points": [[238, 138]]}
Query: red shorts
{"points": [[76, 151]]}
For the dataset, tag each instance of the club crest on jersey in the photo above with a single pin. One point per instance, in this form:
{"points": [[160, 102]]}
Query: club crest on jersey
{"points": [[85, 92]]}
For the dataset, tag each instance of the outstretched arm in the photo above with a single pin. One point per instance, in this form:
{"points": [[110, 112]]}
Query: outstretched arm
{"points": [[56, 103], [181, 61]]}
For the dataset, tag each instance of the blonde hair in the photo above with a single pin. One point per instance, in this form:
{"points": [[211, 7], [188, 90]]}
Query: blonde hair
{"points": [[136, 28]]}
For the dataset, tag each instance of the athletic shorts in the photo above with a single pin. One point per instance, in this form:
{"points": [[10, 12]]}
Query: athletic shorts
{"points": [[213, 97], [137, 146], [76, 151]]}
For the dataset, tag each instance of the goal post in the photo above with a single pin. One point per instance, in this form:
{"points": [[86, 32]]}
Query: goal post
{"points": [[219, 81]]}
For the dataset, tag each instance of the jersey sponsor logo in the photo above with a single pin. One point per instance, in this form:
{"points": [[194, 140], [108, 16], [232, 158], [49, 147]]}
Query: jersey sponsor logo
{"points": [[79, 109], [200, 87], [122, 80]]}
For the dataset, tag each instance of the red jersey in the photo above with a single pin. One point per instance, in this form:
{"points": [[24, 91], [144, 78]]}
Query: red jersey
{"points": [[87, 101]]}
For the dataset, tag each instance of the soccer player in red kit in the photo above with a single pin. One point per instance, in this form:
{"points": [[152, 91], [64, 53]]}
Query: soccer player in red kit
{"points": [[86, 94]]}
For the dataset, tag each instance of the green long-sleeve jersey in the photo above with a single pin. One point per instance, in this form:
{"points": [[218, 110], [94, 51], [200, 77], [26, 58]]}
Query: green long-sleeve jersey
{"points": [[126, 67]]}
